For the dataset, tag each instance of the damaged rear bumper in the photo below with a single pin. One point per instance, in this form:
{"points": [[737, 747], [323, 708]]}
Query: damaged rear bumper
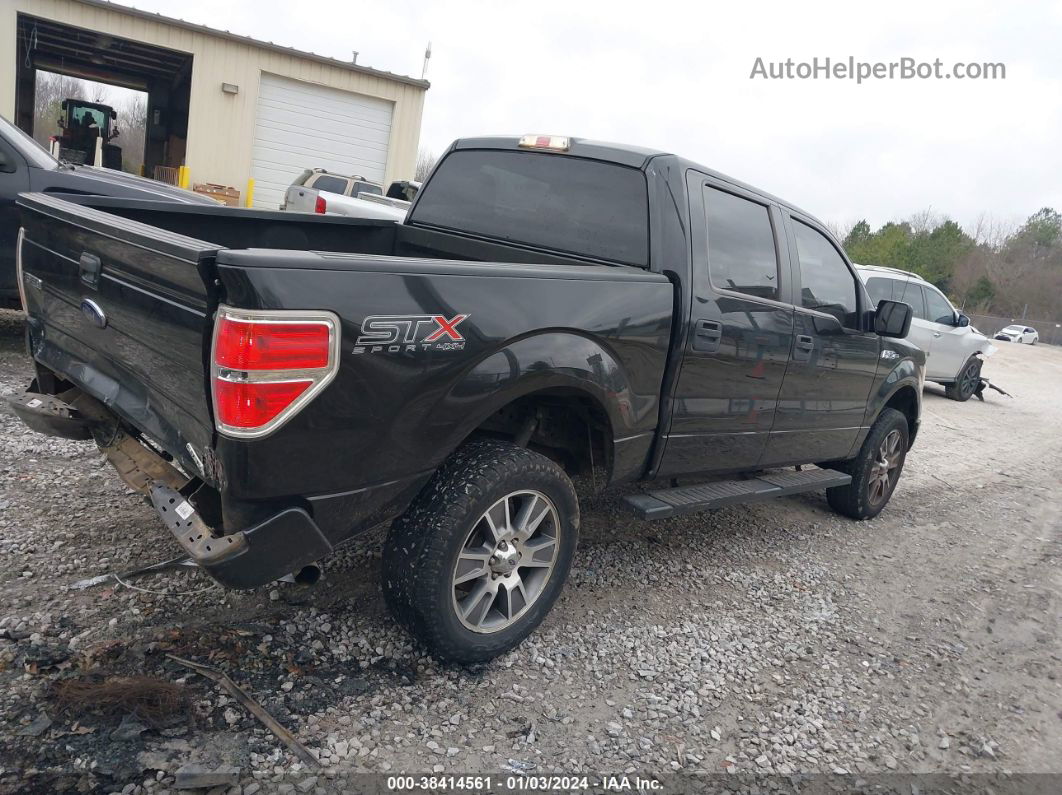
{"points": [[281, 544]]}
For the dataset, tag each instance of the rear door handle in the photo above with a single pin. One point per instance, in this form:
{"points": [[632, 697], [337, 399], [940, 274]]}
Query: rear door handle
{"points": [[803, 347], [936, 333], [90, 267], [707, 335]]}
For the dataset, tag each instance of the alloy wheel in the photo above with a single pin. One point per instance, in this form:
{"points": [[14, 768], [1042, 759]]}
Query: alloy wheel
{"points": [[883, 474], [970, 377], [506, 561]]}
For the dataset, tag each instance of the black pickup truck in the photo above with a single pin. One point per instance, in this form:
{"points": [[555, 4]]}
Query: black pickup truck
{"points": [[277, 383]]}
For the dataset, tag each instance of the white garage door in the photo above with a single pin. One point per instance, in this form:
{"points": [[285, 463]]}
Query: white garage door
{"points": [[302, 125]]}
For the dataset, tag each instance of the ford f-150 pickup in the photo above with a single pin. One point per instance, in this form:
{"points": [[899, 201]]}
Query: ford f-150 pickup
{"points": [[276, 383]]}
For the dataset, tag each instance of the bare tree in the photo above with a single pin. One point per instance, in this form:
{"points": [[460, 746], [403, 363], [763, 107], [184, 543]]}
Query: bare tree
{"points": [[425, 163], [840, 230], [924, 221], [132, 121]]}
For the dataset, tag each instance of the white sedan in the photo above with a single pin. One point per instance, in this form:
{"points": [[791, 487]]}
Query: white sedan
{"points": [[1016, 333]]}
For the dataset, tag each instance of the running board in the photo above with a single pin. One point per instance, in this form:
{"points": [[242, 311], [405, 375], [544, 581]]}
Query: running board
{"points": [[666, 503]]}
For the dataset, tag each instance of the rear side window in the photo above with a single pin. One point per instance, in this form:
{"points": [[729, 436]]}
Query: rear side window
{"points": [[826, 284], [360, 187], [910, 293], [938, 308], [741, 253], [566, 204], [880, 289], [330, 184]]}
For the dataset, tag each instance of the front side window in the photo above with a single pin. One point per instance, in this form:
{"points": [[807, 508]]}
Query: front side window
{"points": [[330, 184], [826, 284], [937, 307], [741, 253]]}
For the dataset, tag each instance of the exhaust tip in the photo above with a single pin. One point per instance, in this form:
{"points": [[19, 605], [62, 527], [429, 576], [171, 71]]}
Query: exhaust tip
{"points": [[308, 575]]}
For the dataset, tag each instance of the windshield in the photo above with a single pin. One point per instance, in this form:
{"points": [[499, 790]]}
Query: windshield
{"points": [[567, 204], [89, 117], [36, 154], [1014, 329]]}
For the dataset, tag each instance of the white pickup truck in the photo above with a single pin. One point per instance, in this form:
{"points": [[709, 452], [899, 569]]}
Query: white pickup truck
{"points": [[320, 191]]}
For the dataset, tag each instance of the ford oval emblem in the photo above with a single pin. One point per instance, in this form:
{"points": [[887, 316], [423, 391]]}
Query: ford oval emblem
{"points": [[91, 310]]}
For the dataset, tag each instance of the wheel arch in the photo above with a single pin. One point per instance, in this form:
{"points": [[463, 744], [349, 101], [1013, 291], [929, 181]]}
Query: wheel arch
{"points": [[906, 400], [564, 394]]}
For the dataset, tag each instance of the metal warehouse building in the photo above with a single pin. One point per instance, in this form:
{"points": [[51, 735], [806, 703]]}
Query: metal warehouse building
{"points": [[228, 107]]}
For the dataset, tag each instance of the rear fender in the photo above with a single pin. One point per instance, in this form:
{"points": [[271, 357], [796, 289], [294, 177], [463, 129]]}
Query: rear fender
{"points": [[548, 361]]}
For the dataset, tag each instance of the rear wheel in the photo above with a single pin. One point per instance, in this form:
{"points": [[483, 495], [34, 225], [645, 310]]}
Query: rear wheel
{"points": [[966, 384], [875, 471], [479, 558]]}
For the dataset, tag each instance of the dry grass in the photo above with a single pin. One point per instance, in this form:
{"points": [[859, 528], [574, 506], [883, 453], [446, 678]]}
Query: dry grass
{"points": [[152, 700]]}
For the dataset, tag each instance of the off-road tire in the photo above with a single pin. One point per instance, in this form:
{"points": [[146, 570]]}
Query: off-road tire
{"points": [[966, 382], [423, 546], [854, 499]]}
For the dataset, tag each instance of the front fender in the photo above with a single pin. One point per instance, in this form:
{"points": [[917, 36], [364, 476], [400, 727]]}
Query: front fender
{"points": [[906, 373]]}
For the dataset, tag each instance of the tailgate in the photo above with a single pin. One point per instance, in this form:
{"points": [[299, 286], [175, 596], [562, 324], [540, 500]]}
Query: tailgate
{"points": [[123, 310], [299, 199]]}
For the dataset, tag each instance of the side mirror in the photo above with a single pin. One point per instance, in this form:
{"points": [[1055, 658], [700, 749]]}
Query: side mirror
{"points": [[962, 321], [893, 319]]}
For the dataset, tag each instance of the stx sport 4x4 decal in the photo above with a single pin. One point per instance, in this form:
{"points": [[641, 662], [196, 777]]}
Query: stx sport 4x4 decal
{"points": [[399, 333]]}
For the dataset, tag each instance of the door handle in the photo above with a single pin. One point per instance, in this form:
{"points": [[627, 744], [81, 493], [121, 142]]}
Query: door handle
{"points": [[936, 333], [803, 347], [707, 335], [90, 266]]}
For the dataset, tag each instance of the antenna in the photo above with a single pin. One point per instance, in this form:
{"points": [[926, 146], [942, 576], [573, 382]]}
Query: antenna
{"points": [[427, 57], [355, 58]]}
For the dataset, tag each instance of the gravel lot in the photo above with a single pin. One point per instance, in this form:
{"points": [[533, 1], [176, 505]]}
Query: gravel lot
{"points": [[777, 638]]}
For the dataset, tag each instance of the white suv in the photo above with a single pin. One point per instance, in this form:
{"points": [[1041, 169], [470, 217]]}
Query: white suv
{"points": [[954, 349]]}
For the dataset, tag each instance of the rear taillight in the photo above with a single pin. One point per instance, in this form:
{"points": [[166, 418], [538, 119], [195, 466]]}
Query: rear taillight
{"points": [[267, 365], [320, 206]]}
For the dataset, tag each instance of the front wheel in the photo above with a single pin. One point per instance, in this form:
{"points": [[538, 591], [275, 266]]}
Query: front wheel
{"points": [[477, 561], [875, 470], [966, 384]]}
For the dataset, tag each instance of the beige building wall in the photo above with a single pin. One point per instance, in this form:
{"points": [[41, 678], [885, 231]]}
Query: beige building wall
{"points": [[220, 125]]}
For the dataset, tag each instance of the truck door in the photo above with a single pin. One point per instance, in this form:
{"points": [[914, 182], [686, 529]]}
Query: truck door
{"points": [[823, 399], [740, 336]]}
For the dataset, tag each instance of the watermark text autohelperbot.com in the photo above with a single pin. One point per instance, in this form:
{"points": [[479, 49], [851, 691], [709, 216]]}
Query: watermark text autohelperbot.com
{"points": [[863, 71]]}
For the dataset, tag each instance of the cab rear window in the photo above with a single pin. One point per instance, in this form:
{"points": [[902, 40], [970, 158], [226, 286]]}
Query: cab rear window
{"points": [[558, 202]]}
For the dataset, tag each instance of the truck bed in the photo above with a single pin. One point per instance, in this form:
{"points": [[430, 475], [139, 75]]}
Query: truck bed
{"points": [[158, 274]]}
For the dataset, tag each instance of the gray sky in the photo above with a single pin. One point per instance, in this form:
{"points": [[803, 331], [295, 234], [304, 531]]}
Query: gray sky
{"points": [[676, 76]]}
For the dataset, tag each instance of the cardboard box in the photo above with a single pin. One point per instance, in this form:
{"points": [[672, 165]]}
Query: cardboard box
{"points": [[222, 193]]}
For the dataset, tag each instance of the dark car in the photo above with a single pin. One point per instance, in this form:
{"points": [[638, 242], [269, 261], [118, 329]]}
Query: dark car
{"points": [[26, 166], [549, 306]]}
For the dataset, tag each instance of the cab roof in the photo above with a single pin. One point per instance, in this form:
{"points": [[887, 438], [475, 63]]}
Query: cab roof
{"points": [[621, 154], [886, 270]]}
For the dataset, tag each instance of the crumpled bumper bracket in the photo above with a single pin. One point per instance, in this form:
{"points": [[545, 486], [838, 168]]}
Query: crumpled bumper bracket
{"points": [[248, 558]]}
